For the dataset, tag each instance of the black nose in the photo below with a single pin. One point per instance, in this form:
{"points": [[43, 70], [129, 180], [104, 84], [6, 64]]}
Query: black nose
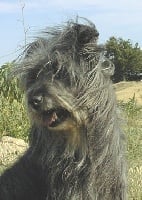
{"points": [[37, 101]]}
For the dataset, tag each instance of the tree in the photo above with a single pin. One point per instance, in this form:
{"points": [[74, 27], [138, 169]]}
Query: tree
{"points": [[126, 57]]}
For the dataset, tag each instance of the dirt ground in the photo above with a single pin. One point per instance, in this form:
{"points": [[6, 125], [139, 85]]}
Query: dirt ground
{"points": [[126, 90]]}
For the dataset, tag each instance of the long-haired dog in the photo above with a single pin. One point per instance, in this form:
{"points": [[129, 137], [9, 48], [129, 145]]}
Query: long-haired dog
{"points": [[76, 144]]}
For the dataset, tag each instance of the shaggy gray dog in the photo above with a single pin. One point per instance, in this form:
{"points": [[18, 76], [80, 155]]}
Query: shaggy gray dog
{"points": [[76, 144]]}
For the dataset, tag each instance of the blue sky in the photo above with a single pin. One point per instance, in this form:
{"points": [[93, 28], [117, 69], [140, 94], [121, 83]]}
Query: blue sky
{"points": [[122, 18]]}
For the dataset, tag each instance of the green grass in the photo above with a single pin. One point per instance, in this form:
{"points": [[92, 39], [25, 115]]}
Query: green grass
{"points": [[15, 123], [13, 118], [134, 149], [134, 138]]}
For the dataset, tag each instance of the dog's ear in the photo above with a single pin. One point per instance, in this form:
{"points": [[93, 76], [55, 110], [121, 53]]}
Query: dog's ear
{"points": [[86, 34]]}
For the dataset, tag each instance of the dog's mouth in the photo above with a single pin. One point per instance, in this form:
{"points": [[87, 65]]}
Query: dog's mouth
{"points": [[54, 117]]}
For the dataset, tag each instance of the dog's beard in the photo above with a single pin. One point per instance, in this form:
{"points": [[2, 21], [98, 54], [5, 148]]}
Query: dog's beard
{"points": [[54, 117]]}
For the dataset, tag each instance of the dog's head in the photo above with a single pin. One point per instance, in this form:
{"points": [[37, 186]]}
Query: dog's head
{"points": [[58, 72]]}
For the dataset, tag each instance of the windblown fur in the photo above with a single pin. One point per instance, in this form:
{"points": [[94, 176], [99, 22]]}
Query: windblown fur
{"points": [[76, 144]]}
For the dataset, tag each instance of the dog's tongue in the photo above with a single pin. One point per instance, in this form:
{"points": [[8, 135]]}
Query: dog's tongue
{"points": [[52, 118]]}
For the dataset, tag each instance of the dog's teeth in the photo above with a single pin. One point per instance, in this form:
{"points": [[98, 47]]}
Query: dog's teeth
{"points": [[54, 117]]}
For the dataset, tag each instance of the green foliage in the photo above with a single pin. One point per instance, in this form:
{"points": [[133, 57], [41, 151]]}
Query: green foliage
{"points": [[134, 149], [133, 130], [9, 85], [13, 117], [132, 110], [134, 127], [125, 56]]}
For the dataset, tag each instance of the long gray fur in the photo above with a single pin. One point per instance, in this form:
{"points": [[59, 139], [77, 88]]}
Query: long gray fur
{"points": [[82, 158]]}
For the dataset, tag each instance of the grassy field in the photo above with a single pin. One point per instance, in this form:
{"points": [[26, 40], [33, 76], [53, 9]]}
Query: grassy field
{"points": [[14, 122], [129, 94]]}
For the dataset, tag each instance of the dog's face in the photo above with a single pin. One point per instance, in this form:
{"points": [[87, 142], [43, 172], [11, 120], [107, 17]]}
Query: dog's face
{"points": [[54, 71], [51, 100], [58, 74], [52, 95]]}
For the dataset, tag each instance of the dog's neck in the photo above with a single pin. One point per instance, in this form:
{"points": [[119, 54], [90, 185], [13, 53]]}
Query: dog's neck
{"points": [[62, 165]]}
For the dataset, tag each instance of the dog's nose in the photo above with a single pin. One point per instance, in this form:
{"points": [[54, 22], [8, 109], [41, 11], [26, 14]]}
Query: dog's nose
{"points": [[37, 100]]}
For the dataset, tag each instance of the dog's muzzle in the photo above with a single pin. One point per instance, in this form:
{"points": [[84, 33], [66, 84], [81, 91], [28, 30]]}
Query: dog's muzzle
{"points": [[49, 114]]}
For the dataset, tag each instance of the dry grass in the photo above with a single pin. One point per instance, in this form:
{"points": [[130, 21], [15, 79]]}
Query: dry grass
{"points": [[135, 183], [126, 91]]}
